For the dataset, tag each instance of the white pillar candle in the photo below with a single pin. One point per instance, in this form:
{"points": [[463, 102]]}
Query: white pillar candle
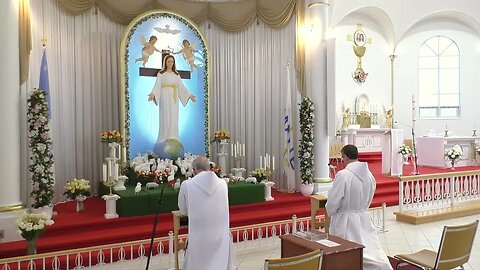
{"points": [[273, 163], [118, 151], [109, 168], [104, 170], [235, 151], [231, 152], [124, 154], [261, 162], [116, 170], [243, 152]]}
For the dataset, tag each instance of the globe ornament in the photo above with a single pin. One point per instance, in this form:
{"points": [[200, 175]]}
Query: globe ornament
{"points": [[170, 148]]}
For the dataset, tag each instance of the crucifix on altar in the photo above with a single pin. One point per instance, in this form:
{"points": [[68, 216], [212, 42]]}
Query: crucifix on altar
{"points": [[152, 72]]}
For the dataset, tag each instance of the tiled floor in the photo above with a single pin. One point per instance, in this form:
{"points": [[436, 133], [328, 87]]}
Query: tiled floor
{"points": [[400, 238]]}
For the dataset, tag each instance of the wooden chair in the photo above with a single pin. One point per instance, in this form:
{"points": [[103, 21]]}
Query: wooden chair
{"points": [[335, 152], [454, 250], [308, 261]]}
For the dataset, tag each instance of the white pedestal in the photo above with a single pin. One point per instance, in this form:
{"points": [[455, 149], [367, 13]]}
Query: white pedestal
{"points": [[268, 190], [222, 156], [111, 205], [120, 183]]}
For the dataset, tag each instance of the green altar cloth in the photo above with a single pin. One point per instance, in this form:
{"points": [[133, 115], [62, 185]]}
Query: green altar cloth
{"points": [[147, 201]]}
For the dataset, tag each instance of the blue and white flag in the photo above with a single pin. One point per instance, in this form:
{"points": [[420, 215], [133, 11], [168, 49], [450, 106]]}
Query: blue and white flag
{"points": [[289, 153], [43, 81]]}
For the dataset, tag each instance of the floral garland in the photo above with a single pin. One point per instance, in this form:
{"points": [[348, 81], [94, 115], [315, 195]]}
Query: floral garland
{"points": [[307, 117], [41, 165]]}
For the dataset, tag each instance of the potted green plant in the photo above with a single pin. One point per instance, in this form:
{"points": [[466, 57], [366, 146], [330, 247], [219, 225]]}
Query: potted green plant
{"points": [[307, 117]]}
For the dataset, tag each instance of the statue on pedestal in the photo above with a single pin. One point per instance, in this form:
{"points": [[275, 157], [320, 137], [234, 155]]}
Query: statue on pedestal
{"points": [[389, 118]]}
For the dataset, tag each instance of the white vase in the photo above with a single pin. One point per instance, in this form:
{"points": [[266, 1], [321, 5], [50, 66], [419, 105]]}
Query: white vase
{"points": [[306, 189], [79, 199]]}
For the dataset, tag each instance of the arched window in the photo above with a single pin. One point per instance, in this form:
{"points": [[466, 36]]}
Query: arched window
{"points": [[439, 78]]}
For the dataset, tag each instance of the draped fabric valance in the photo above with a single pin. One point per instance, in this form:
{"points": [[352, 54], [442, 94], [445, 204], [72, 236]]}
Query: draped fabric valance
{"points": [[231, 16]]}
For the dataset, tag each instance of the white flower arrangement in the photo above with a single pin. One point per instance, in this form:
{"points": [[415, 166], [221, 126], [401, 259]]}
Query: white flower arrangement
{"points": [[405, 150], [41, 159], [31, 225], [307, 117], [453, 154]]}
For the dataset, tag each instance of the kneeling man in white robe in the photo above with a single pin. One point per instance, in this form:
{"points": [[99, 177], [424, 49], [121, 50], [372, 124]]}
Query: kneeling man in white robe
{"points": [[347, 204], [204, 198]]}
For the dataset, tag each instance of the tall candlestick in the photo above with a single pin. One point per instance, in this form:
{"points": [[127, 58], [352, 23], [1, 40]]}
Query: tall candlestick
{"points": [[243, 152], [109, 168]]}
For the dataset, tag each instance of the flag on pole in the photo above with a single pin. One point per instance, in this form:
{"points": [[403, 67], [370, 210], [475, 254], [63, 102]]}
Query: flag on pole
{"points": [[288, 153], [43, 81]]}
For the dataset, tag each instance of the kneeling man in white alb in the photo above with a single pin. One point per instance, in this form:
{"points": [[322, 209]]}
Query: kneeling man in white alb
{"points": [[347, 204], [204, 198]]}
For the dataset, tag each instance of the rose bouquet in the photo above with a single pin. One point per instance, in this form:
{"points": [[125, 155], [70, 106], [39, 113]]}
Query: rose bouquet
{"points": [[359, 76], [221, 135], [405, 150], [453, 154], [31, 226], [111, 136], [76, 188]]}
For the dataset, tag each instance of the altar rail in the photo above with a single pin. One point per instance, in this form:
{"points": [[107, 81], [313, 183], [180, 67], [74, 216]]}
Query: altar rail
{"points": [[245, 237], [438, 196]]}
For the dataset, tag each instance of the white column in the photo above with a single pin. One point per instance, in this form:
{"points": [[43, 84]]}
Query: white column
{"points": [[10, 104], [316, 49]]}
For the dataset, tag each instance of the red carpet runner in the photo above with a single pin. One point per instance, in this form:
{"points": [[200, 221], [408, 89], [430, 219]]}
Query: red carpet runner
{"points": [[89, 228]]}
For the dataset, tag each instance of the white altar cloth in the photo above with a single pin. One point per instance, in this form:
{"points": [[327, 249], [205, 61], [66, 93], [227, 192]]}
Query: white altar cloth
{"points": [[431, 151], [391, 159]]}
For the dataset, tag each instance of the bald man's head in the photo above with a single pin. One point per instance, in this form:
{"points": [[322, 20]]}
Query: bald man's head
{"points": [[201, 164]]}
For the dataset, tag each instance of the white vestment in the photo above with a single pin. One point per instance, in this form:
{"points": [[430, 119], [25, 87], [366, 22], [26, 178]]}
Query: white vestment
{"points": [[204, 198], [168, 90], [347, 204]]}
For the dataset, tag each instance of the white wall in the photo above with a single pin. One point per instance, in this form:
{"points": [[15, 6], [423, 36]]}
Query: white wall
{"points": [[406, 73], [375, 62]]}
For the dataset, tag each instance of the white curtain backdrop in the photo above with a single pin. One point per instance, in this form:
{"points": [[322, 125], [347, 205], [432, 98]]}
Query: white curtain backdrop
{"points": [[247, 86]]}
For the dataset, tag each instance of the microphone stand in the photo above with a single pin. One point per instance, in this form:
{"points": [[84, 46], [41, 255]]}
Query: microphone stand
{"points": [[160, 201]]}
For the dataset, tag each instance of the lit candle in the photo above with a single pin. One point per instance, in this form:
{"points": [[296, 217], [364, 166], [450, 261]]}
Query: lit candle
{"points": [[104, 169]]}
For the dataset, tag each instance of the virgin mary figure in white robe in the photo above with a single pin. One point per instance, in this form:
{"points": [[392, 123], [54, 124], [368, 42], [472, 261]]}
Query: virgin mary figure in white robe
{"points": [[204, 198], [169, 90], [348, 201]]}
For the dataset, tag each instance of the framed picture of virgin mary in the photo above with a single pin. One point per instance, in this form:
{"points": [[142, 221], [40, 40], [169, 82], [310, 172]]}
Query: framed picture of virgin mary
{"points": [[164, 86]]}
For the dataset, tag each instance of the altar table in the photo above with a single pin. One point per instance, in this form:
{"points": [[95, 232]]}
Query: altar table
{"points": [[431, 151]]}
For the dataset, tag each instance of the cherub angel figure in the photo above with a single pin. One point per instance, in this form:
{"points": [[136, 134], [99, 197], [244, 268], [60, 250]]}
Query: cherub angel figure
{"points": [[187, 52], [148, 49]]}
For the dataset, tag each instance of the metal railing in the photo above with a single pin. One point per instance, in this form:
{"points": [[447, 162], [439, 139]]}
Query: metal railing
{"points": [[433, 191], [245, 237]]}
